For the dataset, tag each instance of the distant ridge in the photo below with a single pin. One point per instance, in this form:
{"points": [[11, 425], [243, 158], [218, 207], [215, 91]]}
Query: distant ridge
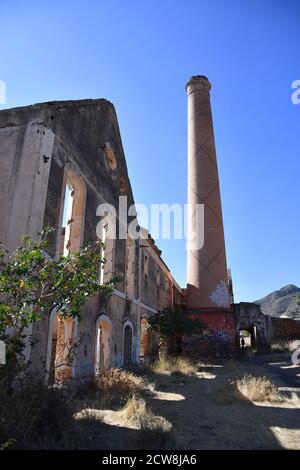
{"points": [[282, 302]]}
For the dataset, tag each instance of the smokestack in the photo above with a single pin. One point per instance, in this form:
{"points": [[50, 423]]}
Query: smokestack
{"points": [[207, 289]]}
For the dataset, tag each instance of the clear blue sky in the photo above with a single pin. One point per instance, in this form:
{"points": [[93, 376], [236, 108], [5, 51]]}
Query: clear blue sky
{"points": [[139, 55]]}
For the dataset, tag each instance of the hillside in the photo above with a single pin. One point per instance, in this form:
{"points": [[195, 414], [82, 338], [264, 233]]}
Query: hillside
{"points": [[282, 302]]}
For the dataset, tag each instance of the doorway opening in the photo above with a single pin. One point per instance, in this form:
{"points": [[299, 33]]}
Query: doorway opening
{"points": [[103, 340]]}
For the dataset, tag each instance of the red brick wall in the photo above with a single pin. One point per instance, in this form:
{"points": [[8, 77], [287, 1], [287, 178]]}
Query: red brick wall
{"points": [[219, 337]]}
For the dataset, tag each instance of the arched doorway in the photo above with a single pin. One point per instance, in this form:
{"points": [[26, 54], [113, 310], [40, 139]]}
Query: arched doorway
{"points": [[103, 336], [127, 344], [61, 348], [248, 337], [145, 345]]}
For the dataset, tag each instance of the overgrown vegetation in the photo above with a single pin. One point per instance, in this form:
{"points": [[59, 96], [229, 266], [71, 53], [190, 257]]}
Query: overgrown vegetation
{"points": [[255, 388], [31, 283], [155, 431], [34, 416], [175, 366], [116, 386], [285, 346], [171, 326]]}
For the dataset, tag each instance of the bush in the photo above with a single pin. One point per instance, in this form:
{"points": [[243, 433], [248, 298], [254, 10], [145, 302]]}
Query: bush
{"points": [[174, 365], [285, 346], [116, 386], [35, 416], [257, 388], [155, 431]]}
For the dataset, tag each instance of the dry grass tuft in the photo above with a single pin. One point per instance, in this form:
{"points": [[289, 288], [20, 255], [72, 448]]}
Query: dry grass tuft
{"points": [[175, 366], [294, 399], [116, 386], [285, 346], [134, 412], [258, 389], [155, 431]]}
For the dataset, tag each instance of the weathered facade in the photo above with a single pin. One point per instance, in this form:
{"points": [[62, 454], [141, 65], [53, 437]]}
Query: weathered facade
{"points": [[62, 161], [250, 318], [264, 329], [59, 162]]}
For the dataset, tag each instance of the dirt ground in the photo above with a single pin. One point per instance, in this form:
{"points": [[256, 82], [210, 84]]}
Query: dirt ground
{"points": [[205, 414]]}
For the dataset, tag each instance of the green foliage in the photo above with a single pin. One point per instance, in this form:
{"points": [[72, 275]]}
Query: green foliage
{"points": [[31, 283], [171, 323]]}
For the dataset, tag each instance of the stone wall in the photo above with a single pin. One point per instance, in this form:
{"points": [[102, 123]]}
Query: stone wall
{"points": [[284, 329], [249, 317]]}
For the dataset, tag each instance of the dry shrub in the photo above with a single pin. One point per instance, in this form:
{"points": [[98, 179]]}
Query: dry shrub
{"points": [[35, 416], [294, 399], [116, 386], [258, 389], [285, 346], [134, 411], [155, 431], [175, 366]]}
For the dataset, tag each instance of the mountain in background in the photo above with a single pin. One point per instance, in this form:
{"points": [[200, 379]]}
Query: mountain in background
{"points": [[282, 302]]}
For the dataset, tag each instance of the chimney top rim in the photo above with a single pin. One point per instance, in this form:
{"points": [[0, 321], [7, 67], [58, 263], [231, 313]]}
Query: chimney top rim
{"points": [[198, 78]]}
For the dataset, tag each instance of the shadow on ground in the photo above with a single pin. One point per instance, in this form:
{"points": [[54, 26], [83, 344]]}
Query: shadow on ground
{"points": [[206, 414]]}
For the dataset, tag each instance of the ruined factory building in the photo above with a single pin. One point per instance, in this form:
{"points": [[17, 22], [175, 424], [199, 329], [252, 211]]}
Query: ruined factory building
{"points": [[59, 162]]}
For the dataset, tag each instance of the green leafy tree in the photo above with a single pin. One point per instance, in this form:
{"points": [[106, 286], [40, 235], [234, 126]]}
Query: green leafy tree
{"points": [[31, 283], [171, 324]]}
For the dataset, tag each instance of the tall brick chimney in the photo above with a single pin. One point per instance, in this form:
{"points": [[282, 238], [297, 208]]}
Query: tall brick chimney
{"points": [[207, 285]]}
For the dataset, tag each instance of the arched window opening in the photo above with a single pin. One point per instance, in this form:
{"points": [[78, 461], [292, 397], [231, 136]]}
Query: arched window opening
{"points": [[72, 215], [103, 253], [61, 349], [145, 341], [103, 342], [107, 254], [67, 217], [127, 345]]}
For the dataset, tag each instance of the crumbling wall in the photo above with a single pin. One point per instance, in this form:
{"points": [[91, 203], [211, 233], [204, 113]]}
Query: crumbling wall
{"points": [[40, 147], [284, 329], [249, 317]]}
